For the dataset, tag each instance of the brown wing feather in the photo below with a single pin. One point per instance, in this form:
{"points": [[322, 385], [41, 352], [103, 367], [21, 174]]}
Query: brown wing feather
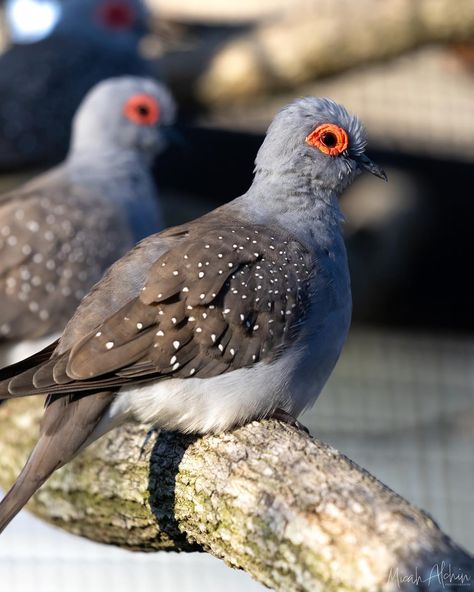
{"points": [[30, 362], [221, 299]]}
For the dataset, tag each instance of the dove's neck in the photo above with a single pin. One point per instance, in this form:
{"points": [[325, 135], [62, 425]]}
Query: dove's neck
{"points": [[298, 203], [124, 178], [109, 166]]}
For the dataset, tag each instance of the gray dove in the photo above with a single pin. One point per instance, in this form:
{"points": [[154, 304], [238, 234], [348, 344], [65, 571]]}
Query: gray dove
{"points": [[42, 83], [62, 230], [238, 315]]}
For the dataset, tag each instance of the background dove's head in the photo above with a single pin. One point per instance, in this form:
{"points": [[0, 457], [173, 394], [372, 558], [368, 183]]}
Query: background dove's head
{"points": [[126, 113], [111, 22]]}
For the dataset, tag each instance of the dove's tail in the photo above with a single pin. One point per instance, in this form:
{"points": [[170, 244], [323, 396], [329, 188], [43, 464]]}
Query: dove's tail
{"points": [[21, 491], [67, 425], [9, 372]]}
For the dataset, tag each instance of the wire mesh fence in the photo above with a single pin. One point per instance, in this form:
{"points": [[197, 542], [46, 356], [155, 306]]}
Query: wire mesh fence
{"points": [[402, 406]]}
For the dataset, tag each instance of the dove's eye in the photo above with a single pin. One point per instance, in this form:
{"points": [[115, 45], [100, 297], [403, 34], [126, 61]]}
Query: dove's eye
{"points": [[116, 15], [329, 138], [142, 109]]}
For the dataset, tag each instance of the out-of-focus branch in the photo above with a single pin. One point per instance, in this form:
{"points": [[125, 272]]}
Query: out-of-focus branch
{"points": [[231, 11], [318, 38]]}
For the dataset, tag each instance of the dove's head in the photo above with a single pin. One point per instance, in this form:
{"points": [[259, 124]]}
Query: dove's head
{"points": [[109, 22], [315, 141], [125, 113]]}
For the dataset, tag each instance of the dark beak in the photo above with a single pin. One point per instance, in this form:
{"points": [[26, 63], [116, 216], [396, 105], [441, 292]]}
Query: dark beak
{"points": [[368, 165]]}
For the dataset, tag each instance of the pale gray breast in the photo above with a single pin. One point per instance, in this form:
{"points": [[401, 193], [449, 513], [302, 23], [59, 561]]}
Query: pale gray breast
{"points": [[326, 327]]}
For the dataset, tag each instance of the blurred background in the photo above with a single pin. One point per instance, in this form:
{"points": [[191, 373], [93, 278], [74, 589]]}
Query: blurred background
{"points": [[400, 402]]}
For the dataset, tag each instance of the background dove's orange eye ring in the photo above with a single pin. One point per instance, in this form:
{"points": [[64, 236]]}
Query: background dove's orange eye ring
{"points": [[329, 138], [142, 109]]}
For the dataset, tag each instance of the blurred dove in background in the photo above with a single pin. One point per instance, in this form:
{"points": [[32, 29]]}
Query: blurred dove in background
{"points": [[42, 83], [60, 231]]}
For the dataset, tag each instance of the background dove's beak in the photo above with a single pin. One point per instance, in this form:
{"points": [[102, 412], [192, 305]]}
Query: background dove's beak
{"points": [[172, 135], [368, 165]]}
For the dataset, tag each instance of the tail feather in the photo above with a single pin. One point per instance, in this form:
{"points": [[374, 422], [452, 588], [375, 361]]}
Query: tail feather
{"points": [[20, 493], [9, 372], [67, 425]]}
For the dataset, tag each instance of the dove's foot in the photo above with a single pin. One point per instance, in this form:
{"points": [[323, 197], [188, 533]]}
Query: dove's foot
{"points": [[282, 415], [148, 436]]}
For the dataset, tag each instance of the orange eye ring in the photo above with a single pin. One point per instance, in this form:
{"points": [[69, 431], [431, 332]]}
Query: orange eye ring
{"points": [[329, 138], [142, 109]]}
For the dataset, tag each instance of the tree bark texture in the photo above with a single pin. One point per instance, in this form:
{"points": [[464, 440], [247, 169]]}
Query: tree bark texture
{"points": [[290, 510], [317, 38]]}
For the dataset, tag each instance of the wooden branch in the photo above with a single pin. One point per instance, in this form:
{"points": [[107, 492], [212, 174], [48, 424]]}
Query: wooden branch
{"points": [[293, 512], [318, 38]]}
